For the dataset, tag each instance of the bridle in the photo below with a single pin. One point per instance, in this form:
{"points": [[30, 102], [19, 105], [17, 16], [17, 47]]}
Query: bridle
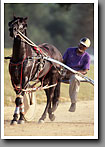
{"points": [[16, 26]]}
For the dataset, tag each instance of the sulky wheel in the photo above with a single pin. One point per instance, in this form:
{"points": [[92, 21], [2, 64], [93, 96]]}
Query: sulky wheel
{"points": [[29, 106]]}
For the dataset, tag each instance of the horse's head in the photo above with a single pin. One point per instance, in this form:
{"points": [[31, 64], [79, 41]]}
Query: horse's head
{"points": [[17, 24]]}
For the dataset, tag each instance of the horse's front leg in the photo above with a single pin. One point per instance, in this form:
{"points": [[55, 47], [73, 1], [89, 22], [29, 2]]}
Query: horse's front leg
{"points": [[19, 109], [24, 86]]}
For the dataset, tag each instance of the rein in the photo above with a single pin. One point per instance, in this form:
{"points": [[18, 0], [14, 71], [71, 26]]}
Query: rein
{"points": [[28, 41]]}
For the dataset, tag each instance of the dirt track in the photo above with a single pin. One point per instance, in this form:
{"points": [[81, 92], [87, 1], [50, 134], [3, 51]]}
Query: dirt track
{"points": [[79, 123]]}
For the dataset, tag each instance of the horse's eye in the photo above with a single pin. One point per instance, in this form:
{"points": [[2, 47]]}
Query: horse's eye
{"points": [[14, 29]]}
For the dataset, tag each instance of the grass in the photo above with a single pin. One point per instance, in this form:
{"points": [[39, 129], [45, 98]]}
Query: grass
{"points": [[86, 89]]}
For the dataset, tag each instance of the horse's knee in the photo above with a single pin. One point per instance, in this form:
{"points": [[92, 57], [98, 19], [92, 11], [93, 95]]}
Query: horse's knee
{"points": [[18, 101]]}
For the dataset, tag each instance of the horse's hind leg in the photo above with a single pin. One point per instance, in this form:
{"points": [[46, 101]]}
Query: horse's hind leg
{"points": [[50, 94], [47, 106], [51, 114], [55, 102]]}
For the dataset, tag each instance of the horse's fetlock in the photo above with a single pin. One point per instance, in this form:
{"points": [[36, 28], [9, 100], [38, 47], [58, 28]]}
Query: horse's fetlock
{"points": [[49, 110], [52, 117], [21, 116], [15, 117]]}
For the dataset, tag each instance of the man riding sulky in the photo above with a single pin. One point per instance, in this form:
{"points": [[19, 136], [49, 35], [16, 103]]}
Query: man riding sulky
{"points": [[78, 59]]}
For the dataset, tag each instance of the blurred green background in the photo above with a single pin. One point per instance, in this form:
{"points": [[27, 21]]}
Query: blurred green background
{"points": [[62, 25]]}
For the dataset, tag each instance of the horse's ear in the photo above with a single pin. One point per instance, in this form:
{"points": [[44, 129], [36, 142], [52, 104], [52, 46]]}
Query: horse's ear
{"points": [[9, 24], [14, 17], [25, 18]]}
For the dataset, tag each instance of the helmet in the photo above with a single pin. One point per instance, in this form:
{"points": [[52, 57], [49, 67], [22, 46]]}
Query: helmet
{"points": [[85, 41]]}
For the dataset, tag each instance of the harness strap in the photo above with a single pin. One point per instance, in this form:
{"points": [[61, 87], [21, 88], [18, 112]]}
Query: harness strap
{"points": [[31, 72], [46, 74], [38, 88]]}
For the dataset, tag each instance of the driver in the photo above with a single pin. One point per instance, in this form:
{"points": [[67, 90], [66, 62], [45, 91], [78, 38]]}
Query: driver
{"points": [[78, 59]]}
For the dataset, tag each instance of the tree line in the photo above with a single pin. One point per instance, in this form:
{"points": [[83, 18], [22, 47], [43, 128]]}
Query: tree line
{"points": [[62, 25]]}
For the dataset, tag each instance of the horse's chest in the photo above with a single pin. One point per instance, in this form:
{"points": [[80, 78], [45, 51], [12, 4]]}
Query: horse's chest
{"points": [[15, 71]]}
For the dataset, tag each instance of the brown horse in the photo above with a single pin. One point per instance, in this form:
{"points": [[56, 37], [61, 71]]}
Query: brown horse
{"points": [[27, 64]]}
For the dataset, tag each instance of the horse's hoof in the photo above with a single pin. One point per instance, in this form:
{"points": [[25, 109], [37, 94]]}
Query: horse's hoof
{"points": [[52, 117], [13, 122], [20, 121], [40, 121]]}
